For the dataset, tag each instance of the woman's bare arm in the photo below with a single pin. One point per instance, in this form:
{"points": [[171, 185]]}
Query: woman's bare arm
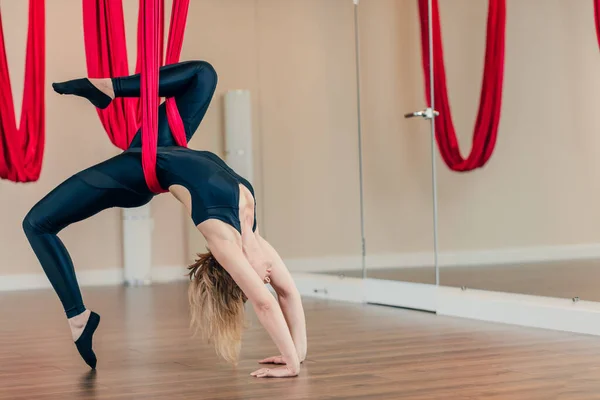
{"points": [[289, 299], [230, 256]]}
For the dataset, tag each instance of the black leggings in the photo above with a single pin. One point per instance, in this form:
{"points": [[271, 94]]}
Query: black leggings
{"points": [[117, 182]]}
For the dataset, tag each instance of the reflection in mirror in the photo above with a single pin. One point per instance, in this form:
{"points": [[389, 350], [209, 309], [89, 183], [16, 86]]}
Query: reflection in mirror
{"points": [[396, 152], [526, 222]]}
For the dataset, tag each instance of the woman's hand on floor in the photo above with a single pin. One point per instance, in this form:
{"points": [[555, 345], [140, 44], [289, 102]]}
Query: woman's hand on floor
{"points": [[275, 360], [280, 372]]}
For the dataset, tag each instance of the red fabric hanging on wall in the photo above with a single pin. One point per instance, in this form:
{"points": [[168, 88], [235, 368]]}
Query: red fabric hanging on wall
{"points": [[174, 44], [490, 102], [597, 18], [22, 148], [106, 54]]}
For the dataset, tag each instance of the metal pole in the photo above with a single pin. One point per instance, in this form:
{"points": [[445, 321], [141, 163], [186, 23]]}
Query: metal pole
{"points": [[360, 156], [433, 147]]}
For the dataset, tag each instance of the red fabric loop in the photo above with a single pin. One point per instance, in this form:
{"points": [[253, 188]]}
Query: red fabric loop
{"points": [[22, 148], [597, 18], [490, 102], [174, 45], [150, 9], [106, 55]]}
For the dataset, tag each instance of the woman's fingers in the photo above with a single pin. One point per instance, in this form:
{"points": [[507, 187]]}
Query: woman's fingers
{"points": [[281, 372], [260, 373], [272, 360]]}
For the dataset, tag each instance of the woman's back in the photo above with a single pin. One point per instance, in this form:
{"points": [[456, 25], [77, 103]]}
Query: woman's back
{"points": [[213, 185]]}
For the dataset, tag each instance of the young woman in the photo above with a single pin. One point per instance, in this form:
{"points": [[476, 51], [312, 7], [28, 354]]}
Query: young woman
{"points": [[221, 204]]}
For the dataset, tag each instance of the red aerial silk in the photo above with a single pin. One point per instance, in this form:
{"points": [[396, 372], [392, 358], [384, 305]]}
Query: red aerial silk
{"points": [[490, 102], [150, 9], [22, 148], [106, 54], [597, 18], [179, 13]]}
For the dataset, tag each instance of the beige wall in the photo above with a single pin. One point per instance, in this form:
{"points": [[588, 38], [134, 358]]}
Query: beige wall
{"points": [[308, 126], [542, 186], [297, 58]]}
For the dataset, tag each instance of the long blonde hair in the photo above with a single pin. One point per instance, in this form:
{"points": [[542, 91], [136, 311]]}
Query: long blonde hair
{"points": [[216, 306]]}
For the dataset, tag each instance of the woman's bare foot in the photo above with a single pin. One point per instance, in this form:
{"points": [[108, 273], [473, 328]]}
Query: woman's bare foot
{"points": [[78, 323], [105, 85]]}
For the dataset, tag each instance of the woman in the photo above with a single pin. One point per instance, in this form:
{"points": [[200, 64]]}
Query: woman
{"points": [[220, 202]]}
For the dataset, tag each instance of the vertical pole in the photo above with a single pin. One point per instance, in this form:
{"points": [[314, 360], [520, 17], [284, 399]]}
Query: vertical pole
{"points": [[360, 157], [433, 143]]}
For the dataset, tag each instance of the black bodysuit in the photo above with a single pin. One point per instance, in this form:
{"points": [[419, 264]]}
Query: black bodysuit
{"points": [[119, 181]]}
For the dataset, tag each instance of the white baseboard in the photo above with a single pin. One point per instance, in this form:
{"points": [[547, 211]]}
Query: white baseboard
{"points": [[520, 255], [478, 258], [518, 309], [101, 277], [515, 309], [330, 287], [23, 282], [169, 274], [417, 296], [324, 264]]}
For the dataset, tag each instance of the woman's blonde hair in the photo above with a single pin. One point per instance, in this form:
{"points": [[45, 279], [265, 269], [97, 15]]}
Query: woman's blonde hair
{"points": [[216, 306]]}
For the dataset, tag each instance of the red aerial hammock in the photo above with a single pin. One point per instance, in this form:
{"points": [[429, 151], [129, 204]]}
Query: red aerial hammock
{"points": [[490, 102], [22, 147], [106, 55], [597, 18]]}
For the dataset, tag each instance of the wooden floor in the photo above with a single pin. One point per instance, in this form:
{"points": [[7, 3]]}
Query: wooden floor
{"points": [[355, 352], [564, 279]]}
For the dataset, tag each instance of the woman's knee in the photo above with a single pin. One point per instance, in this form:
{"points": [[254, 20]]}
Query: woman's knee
{"points": [[33, 223], [206, 73], [38, 221]]}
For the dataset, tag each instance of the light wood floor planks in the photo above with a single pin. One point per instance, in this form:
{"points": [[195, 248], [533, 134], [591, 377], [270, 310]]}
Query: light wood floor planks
{"points": [[355, 352]]}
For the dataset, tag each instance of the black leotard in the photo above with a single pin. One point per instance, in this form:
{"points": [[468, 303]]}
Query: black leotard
{"points": [[214, 187], [119, 181]]}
